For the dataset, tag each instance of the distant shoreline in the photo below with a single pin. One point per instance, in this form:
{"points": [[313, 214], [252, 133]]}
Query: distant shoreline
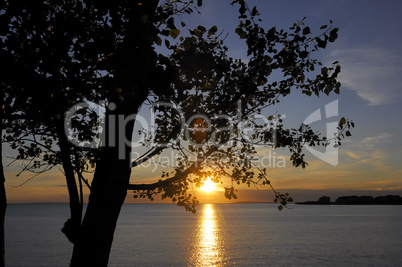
{"points": [[140, 203], [356, 200]]}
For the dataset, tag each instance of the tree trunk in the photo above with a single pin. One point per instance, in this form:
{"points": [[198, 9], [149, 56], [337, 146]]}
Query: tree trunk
{"points": [[3, 205], [72, 226], [108, 192], [133, 74]]}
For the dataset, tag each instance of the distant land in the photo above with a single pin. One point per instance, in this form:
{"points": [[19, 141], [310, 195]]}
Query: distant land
{"points": [[244, 195], [357, 200]]}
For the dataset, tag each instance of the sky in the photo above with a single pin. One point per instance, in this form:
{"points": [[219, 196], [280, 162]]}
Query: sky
{"points": [[369, 51]]}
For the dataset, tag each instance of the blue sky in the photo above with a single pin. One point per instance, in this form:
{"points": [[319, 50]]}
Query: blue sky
{"points": [[369, 50]]}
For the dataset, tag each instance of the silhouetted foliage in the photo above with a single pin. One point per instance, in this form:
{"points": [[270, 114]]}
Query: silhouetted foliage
{"points": [[56, 54]]}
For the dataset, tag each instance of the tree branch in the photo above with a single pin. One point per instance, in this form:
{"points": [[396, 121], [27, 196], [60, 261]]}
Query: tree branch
{"points": [[178, 176], [157, 149]]}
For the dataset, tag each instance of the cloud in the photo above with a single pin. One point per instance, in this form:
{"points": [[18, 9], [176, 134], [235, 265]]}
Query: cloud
{"points": [[374, 141], [384, 185], [373, 73], [353, 155], [371, 151]]}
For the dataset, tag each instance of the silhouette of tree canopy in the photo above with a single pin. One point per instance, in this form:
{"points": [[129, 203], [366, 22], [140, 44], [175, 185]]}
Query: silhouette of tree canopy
{"points": [[56, 54]]}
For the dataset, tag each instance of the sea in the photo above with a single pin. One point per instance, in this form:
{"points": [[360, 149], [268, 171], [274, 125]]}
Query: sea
{"points": [[255, 234]]}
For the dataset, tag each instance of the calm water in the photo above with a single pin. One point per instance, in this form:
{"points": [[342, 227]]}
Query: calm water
{"points": [[218, 235]]}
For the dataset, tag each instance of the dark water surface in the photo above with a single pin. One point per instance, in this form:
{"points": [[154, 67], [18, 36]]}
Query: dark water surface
{"points": [[218, 235]]}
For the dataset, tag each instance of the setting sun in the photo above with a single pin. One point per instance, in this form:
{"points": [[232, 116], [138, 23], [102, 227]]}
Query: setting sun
{"points": [[208, 186]]}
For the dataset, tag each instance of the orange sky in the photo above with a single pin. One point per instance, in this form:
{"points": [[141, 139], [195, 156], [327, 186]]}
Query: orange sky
{"points": [[371, 95], [319, 178]]}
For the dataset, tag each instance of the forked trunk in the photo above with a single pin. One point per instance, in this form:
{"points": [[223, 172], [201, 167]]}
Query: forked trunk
{"points": [[108, 191], [132, 76]]}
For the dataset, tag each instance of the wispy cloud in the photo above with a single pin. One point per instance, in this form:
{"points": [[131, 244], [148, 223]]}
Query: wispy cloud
{"points": [[353, 155], [371, 151], [373, 73]]}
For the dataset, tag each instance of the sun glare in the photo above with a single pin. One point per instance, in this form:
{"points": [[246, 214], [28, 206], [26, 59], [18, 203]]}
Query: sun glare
{"points": [[208, 186]]}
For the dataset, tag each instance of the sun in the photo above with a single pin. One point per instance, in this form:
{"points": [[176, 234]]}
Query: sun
{"points": [[208, 186]]}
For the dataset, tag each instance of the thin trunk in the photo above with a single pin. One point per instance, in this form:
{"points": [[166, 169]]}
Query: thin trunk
{"points": [[3, 205], [72, 226]]}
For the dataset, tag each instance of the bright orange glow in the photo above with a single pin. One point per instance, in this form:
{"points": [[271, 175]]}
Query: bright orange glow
{"points": [[208, 186], [208, 249]]}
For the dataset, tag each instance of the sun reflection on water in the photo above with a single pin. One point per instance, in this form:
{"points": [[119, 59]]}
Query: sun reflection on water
{"points": [[208, 249]]}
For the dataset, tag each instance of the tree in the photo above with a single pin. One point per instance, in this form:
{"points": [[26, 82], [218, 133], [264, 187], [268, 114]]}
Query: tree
{"points": [[84, 50], [3, 197]]}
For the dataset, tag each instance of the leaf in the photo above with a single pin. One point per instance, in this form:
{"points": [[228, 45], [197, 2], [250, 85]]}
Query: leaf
{"points": [[342, 121], [241, 33], [337, 88], [303, 54], [242, 9], [271, 34], [212, 31], [158, 41], [174, 33], [280, 207], [321, 43], [196, 32], [199, 3], [323, 27], [333, 35], [348, 133], [254, 12], [201, 28], [187, 44], [306, 31], [167, 43]]}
